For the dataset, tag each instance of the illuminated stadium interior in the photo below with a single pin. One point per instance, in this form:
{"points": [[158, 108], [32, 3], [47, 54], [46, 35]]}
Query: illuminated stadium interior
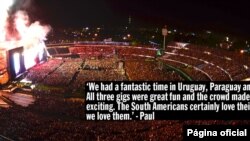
{"points": [[72, 65], [43, 69], [56, 87]]}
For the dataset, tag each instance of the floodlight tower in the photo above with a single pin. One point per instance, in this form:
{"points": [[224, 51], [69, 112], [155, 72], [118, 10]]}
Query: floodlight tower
{"points": [[164, 33]]}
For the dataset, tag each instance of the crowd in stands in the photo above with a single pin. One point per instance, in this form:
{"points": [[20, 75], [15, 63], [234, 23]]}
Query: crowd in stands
{"points": [[216, 74], [213, 71], [140, 70], [218, 63], [107, 50], [194, 73], [86, 51], [143, 51], [107, 63]]}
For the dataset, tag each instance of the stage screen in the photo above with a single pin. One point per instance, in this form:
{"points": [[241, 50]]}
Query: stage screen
{"points": [[16, 62], [21, 60]]}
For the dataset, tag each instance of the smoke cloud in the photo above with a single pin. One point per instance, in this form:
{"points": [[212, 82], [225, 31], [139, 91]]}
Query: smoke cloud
{"points": [[15, 24]]}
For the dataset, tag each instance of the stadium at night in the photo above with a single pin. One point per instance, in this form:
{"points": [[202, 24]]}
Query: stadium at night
{"points": [[44, 69], [182, 61]]}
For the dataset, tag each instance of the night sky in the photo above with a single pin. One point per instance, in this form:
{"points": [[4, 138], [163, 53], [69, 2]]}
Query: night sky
{"points": [[220, 15]]}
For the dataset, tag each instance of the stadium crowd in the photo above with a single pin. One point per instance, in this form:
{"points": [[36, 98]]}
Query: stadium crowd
{"points": [[64, 74], [195, 74], [39, 72], [218, 63], [54, 117], [150, 71], [35, 123]]}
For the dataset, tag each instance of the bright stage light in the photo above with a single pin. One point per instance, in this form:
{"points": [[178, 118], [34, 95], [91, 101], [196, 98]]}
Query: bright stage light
{"points": [[16, 58], [6, 4]]}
